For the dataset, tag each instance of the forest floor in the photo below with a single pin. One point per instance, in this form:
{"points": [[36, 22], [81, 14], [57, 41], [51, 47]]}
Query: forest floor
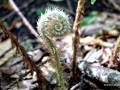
{"points": [[98, 59]]}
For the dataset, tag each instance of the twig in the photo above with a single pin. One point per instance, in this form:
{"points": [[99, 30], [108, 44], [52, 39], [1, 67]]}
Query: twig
{"points": [[95, 41], [91, 83], [76, 40], [26, 59], [115, 5], [13, 12], [69, 6], [85, 80], [25, 21], [75, 86], [113, 59], [12, 84]]}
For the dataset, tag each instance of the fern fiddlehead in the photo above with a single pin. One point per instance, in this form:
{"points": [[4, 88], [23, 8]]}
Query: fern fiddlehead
{"points": [[54, 24]]}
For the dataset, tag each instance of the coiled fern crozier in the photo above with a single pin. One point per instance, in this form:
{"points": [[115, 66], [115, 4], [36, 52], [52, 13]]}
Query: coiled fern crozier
{"points": [[54, 23]]}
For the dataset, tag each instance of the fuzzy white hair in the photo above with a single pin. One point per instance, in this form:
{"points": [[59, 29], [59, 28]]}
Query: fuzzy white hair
{"points": [[51, 11]]}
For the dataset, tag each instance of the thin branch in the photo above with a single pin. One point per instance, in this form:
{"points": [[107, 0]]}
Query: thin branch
{"points": [[26, 59], [115, 5], [75, 86], [69, 5], [13, 12], [25, 21], [76, 40], [113, 58]]}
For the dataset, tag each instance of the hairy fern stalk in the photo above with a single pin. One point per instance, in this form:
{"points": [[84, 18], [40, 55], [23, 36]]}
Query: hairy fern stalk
{"points": [[54, 24]]}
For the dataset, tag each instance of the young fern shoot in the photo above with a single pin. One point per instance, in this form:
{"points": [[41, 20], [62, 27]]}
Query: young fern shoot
{"points": [[54, 24]]}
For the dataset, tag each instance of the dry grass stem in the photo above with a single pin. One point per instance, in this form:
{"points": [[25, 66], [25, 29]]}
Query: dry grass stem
{"points": [[76, 40], [26, 59]]}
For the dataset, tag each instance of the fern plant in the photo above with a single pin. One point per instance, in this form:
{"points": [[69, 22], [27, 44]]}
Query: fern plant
{"points": [[54, 24]]}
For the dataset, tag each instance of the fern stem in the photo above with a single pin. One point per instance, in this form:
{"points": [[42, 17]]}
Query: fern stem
{"points": [[59, 74], [76, 40]]}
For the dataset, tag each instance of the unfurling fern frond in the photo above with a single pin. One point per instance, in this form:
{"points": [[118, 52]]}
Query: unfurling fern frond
{"points": [[54, 23]]}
